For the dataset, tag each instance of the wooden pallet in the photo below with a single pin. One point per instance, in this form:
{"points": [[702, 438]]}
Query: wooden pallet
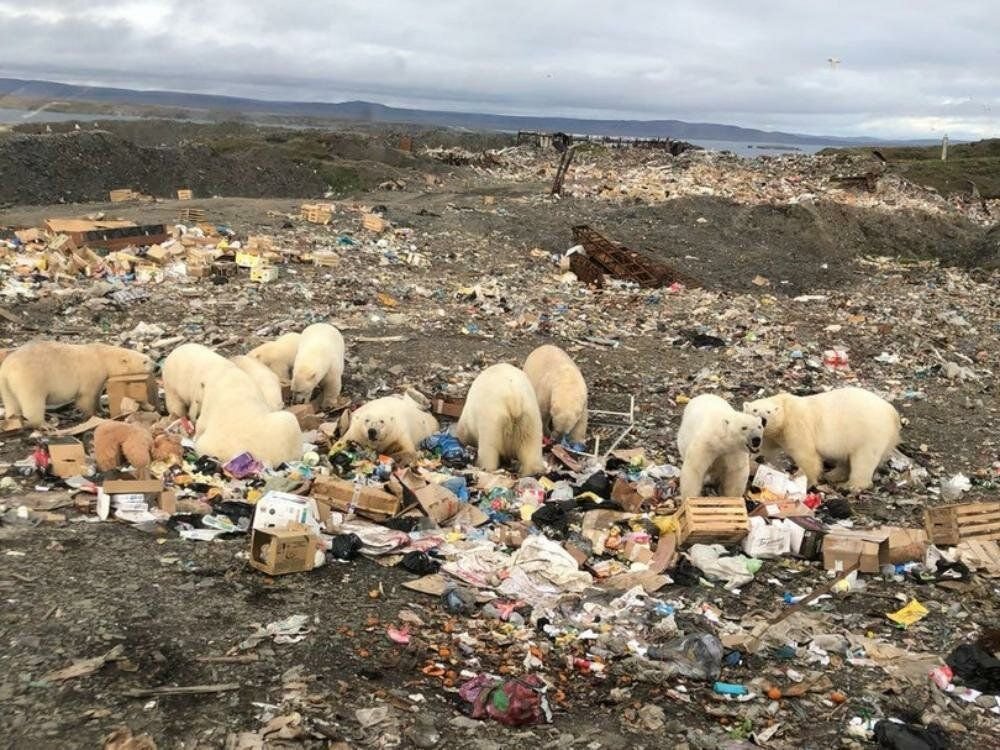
{"points": [[374, 223], [951, 524], [316, 213], [121, 195], [185, 195], [982, 556], [713, 520]]}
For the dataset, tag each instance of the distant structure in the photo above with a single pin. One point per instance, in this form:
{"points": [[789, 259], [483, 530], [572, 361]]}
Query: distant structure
{"points": [[562, 141]]}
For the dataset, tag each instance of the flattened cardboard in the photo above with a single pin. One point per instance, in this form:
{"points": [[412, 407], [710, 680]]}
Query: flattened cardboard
{"points": [[133, 487], [342, 495], [782, 509], [68, 457], [904, 545], [281, 551], [439, 503], [433, 584], [626, 496], [140, 387]]}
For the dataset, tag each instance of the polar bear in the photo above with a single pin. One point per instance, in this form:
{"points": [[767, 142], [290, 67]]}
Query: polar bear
{"points": [[715, 442], [319, 362], [561, 392], [44, 374], [234, 419], [264, 378], [849, 427], [278, 355], [394, 425], [502, 419], [185, 372]]}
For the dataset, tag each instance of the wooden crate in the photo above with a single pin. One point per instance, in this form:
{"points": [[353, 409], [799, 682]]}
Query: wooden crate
{"points": [[263, 273], [713, 520], [951, 524], [121, 195], [374, 223], [316, 213], [185, 195], [192, 215]]}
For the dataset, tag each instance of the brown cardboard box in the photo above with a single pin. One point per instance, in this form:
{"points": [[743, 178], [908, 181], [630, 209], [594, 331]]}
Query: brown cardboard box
{"points": [[437, 502], [141, 387], [339, 494], [782, 509], [280, 551], [904, 545], [68, 457], [844, 549], [640, 553]]}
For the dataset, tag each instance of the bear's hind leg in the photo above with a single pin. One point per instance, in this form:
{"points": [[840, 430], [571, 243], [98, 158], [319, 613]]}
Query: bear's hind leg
{"points": [[839, 473], [863, 465]]}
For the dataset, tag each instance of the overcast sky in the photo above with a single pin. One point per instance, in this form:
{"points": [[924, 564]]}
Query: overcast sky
{"points": [[907, 68]]}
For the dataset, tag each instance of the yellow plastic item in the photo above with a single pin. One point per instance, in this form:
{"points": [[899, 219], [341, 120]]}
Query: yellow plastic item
{"points": [[910, 614]]}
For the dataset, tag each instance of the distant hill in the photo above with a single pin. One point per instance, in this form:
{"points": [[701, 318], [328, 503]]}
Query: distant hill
{"points": [[379, 113]]}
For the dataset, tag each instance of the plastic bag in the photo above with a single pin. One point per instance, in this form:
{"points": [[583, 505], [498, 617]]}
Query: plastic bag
{"points": [[977, 668], [345, 546], [735, 571], [894, 736], [514, 703], [698, 656]]}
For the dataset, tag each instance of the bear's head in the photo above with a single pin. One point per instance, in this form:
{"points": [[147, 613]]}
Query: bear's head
{"points": [[304, 382], [374, 426], [743, 431], [120, 361], [770, 410]]}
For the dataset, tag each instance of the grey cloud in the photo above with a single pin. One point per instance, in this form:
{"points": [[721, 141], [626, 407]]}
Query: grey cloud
{"points": [[908, 67]]}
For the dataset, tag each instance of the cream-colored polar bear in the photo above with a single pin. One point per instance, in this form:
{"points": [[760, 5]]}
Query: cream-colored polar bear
{"points": [[234, 419], [44, 374], [502, 419], [394, 425], [185, 372], [278, 355], [715, 442], [849, 427], [561, 392], [319, 362], [264, 378]]}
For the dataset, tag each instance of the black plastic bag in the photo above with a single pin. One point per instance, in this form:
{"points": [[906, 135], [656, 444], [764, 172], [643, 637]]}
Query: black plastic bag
{"points": [[420, 563], [978, 669], [892, 736], [345, 546]]}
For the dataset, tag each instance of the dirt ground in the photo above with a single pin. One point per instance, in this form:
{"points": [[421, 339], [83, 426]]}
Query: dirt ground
{"points": [[79, 590]]}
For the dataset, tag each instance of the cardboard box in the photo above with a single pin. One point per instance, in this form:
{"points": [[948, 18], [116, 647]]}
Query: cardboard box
{"points": [[809, 543], [140, 387], [844, 549], [343, 496], [262, 274], [447, 406], [130, 491], [279, 510], [782, 509], [68, 457], [904, 545], [281, 551]]}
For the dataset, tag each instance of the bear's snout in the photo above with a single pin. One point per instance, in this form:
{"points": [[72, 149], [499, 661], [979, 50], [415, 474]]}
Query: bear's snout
{"points": [[372, 433], [755, 442]]}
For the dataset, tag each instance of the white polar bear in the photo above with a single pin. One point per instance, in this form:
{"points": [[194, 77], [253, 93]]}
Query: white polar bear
{"points": [[185, 372], [44, 374], [502, 419], [561, 392], [319, 362], [278, 355], [234, 419], [264, 378], [849, 427], [394, 425], [715, 442]]}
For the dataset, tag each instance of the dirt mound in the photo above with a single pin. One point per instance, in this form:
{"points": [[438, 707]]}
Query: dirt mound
{"points": [[84, 165]]}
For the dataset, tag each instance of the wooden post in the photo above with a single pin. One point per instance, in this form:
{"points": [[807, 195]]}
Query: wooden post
{"points": [[944, 148]]}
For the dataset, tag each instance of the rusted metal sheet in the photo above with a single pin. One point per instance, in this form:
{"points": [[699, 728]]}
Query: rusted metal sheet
{"points": [[605, 257]]}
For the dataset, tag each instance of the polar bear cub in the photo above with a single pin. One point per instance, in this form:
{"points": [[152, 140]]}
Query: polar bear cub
{"points": [[502, 419], [715, 442], [394, 425], [185, 372], [234, 419], [849, 427], [561, 392], [44, 374], [278, 355], [319, 362], [264, 378]]}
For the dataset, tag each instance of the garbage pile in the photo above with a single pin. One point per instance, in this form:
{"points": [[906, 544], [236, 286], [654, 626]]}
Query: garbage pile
{"points": [[653, 177]]}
